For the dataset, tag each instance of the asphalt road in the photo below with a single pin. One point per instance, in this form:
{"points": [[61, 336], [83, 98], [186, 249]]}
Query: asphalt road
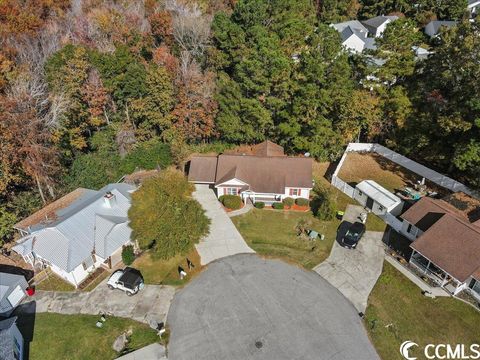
{"points": [[245, 307]]}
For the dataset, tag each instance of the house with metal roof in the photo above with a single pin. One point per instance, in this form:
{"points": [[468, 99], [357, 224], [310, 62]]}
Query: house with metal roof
{"points": [[266, 175], [78, 234], [11, 340], [376, 198], [434, 27], [12, 292], [377, 25], [353, 34]]}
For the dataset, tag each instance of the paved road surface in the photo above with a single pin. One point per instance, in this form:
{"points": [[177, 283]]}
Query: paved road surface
{"points": [[224, 238], [355, 272], [245, 307]]}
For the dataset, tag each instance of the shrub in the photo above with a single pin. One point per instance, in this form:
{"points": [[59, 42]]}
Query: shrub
{"points": [[221, 198], [278, 206], [302, 202], [259, 205], [322, 206], [128, 255], [232, 202], [288, 201]]}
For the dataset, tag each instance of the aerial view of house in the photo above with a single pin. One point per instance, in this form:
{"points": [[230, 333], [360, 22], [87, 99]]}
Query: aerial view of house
{"points": [[239, 179]]}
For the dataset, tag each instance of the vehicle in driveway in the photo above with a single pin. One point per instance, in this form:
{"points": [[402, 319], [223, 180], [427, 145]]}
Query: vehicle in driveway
{"points": [[129, 280], [353, 235]]}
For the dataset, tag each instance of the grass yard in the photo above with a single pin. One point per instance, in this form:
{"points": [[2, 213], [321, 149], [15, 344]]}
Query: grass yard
{"points": [[76, 337], [272, 233], [54, 283], [397, 311], [158, 271], [371, 166]]}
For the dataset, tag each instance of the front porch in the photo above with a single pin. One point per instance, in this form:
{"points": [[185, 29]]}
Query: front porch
{"points": [[268, 199], [435, 274]]}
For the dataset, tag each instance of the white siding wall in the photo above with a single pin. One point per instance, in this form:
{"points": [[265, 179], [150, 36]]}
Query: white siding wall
{"points": [[76, 276], [354, 43], [304, 193], [377, 208], [413, 233]]}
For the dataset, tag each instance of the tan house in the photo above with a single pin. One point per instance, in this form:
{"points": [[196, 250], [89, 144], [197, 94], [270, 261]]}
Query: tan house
{"points": [[265, 175]]}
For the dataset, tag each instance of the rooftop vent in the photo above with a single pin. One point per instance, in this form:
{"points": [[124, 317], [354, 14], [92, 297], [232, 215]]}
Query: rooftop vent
{"points": [[109, 199]]}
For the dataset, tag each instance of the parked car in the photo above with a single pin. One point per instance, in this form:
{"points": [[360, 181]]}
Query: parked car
{"points": [[129, 280], [353, 235]]}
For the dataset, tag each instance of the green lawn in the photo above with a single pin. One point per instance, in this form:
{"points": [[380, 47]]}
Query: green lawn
{"points": [[272, 233], [75, 337], [159, 271], [54, 283], [397, 311]]}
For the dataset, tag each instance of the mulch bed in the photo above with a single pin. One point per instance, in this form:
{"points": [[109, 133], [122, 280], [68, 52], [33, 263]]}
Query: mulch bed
{"points": [[99, 271]]}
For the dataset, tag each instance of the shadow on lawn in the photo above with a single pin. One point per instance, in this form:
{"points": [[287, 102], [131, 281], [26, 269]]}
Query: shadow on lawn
{"points": [[26, 324]]}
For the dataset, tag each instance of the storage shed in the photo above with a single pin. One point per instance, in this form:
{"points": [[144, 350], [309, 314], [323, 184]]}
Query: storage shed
{"points": [[376, 198]]}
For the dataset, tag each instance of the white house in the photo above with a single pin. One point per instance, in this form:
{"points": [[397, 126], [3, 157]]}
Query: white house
{"points": [[376, 198], [433, 28], [377, 25], [79, 232], [12, 292], [446, 241], [11, 340], [267, 175], [353, 34], [473, 7]]}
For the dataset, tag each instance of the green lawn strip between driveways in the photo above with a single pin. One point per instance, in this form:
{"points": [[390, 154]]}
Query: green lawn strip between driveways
{"points": [[397, 312], [76, 337], [272, 233]]}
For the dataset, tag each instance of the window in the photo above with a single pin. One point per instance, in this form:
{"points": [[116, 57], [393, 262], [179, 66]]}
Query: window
{"points": [[360, 193], [380, 208], [231, 191], [295, 192], [409, 228]]}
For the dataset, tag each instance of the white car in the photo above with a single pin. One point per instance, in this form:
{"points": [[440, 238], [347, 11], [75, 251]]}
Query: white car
{"points": [[129, 280]]}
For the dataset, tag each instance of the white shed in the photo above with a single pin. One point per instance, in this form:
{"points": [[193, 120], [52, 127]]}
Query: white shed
{"points": [[376, 198]]}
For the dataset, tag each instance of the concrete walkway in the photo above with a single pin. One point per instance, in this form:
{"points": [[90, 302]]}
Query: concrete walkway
{"points": [[354, 272], [436, 291], [151, 303], [224, 238], [248, 206], [153, 351]]}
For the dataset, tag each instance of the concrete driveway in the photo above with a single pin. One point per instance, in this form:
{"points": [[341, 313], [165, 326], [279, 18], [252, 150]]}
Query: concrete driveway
{"points": [[224, 238], [151, 303], [355, 272], [244, 307]]}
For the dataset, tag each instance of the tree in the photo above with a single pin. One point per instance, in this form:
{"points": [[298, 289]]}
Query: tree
{"points": [[7, 220], [165, 218], [395, 48]]}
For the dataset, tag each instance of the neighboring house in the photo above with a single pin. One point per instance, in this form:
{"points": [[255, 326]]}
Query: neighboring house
{"points": [[473, 7], [377, 25], [354, 35], [267, 176], [446, 241], [12, 292], [78, 233], [433, 28], [11, 340], [421, 53], [376, 198]]}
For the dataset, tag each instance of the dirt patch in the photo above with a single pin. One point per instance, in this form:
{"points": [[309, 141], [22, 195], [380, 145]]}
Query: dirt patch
{"points": [[370, 166]]}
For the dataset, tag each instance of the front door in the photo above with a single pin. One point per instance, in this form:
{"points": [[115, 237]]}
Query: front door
{"points": [[369, 203]]}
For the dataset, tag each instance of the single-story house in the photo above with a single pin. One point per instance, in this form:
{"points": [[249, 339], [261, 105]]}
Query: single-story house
{"points": [[11, 340], [434, 27], [377, 25], [12, 292], [376, 198], [446, 241], [267, 175], [78, 233]]}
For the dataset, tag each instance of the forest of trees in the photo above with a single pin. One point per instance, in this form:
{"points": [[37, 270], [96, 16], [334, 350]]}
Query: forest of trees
{"points": [[92, 89]]}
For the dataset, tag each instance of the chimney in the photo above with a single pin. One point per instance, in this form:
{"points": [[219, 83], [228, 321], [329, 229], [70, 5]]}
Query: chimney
{"points": [[109, 199]]}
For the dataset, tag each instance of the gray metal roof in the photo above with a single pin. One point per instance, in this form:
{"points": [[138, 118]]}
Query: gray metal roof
{"points": [[73, 237], [354, 24], [378, 21], [437, 24]]}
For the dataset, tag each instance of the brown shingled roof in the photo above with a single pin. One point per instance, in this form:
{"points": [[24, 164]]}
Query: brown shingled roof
{"points": [[203, 169], [268, 148], [266, 174], [427, 211], [453, 245]]}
